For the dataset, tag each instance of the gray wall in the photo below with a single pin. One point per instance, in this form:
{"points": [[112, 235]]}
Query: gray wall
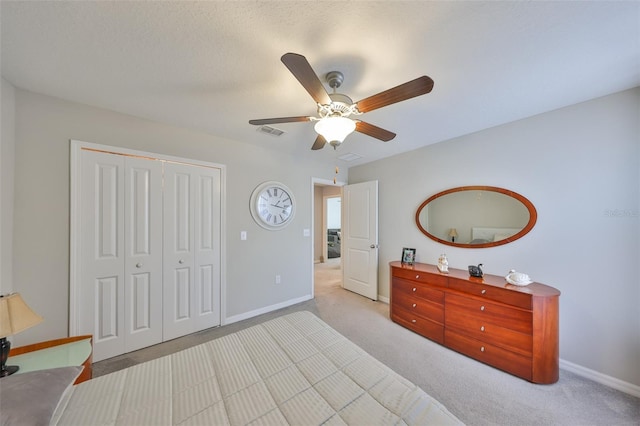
{"points": [[43, 128], [7, 158], [580, 166]]}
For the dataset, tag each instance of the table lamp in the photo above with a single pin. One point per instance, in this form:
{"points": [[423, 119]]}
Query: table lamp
{"points": [[453, 234], [15, 316]]}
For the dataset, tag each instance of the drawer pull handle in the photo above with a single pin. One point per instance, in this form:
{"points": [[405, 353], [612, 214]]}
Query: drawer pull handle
{"points": [[413, 321], [482, 349], [482, 308], [482, 328], [483, 291], [414, 289], [417, 276], [414, 305]]}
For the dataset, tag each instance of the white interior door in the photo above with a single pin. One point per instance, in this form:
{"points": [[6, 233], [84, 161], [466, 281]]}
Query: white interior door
{"points": [[101, 291], [121, 291], [191, 249], [146, 248], [143, 253], [360, 238], [207, 246]]}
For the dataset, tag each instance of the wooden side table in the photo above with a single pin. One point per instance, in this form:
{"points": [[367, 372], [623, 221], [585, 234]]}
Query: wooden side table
{"points": [[65, 352]]}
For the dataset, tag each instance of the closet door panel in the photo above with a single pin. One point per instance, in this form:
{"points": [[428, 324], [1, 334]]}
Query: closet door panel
{"points": [[179, 286], [101, 292], [143, 247], [207, 247]]}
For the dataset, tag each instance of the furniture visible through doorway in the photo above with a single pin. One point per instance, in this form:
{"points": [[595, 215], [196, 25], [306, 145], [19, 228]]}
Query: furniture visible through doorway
{"points": [[333, 243]]}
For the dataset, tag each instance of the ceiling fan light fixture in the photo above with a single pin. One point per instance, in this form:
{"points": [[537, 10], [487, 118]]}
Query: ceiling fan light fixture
{"points": [[335, 129]]}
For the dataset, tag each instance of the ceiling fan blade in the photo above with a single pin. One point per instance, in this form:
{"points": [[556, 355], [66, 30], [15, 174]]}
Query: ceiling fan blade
{"points": [[319, 143], [301, 69], [408, 90], [374, 131], [279, 120]]}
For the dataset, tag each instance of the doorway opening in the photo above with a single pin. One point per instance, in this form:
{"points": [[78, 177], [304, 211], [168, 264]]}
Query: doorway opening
{"points": [[327, 231]]}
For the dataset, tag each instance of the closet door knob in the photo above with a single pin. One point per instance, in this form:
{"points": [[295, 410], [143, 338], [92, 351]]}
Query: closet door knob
{"points": [[181, 261], [138, 265]]}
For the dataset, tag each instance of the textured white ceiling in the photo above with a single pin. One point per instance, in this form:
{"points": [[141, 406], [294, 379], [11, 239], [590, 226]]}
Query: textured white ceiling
{"points": [[213, 65]]}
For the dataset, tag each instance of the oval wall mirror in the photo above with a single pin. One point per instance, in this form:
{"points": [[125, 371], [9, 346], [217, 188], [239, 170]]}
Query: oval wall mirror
{"points": [[476, 216]]}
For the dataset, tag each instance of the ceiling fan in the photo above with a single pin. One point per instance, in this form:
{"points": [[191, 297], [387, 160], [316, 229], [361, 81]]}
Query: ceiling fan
{"points": [[333, 123]]}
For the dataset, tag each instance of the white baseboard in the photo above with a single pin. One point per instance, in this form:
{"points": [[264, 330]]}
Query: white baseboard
{"points": [[266, 309], [383, 299], [612, 382]]}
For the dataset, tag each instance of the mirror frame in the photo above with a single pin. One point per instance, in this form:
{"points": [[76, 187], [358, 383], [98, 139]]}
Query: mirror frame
{"points": [[533, 216]]}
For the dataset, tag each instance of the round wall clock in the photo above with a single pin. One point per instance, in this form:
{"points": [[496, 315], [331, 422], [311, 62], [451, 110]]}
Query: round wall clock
{"points": [[272, 205]]}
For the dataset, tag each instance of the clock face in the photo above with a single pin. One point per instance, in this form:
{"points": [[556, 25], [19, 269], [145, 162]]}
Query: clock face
{"points": [[272, 205]]}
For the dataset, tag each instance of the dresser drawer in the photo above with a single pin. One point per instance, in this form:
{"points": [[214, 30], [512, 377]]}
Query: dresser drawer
{"points": [[422, 326], [423, 277], [521, 343], [420, 290], [424, 308], [492, 313], [489, 292], [489, 354]]}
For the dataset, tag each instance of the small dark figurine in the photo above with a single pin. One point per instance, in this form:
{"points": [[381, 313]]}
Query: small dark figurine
{"points": [[476, 271]]}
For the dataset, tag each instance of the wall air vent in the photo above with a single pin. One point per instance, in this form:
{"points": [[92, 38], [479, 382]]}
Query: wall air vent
{"points": [[270, 130]]}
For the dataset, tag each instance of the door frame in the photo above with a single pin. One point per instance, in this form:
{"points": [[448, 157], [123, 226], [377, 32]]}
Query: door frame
{"points": [[75, 216], [317, 182]]}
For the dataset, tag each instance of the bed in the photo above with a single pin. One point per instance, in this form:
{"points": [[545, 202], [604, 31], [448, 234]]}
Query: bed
{"points": [[481, 235], [294, 369]]}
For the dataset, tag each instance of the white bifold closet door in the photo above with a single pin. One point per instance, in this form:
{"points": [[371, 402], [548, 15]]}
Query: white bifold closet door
{"points": [[121, 291], [150, 251], [191, 249]]}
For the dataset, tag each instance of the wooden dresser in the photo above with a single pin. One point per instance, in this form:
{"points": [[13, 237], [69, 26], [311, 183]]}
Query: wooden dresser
{"points": [[510, 327]]}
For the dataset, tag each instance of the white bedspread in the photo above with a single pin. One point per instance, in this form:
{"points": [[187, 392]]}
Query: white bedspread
{"points": [[294, 369]]}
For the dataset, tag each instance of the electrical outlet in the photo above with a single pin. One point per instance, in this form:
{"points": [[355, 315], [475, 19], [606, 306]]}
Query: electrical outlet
{"points": [[278, 279]]}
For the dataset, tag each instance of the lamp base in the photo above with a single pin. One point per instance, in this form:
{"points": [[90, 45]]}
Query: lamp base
{"points": [[5, 347], [9, 370]]}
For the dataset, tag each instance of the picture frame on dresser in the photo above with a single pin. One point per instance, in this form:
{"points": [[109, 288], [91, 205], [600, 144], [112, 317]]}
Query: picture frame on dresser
{"points": [[408, 256]]}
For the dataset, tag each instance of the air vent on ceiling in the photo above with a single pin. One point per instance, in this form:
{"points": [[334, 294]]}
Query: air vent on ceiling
{"points": [[270, 130], [349, 157]]}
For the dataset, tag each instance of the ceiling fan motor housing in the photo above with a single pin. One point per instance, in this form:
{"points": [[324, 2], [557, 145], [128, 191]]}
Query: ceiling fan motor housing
{"points": [[335, 79]]}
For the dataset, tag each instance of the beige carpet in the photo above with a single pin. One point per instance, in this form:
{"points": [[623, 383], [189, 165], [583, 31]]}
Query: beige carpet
{"points": [[476, 393]]}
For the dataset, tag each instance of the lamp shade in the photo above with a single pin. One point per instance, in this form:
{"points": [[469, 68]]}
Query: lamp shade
{"points": [[16, 315], [453, 232], [335, 129]]}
